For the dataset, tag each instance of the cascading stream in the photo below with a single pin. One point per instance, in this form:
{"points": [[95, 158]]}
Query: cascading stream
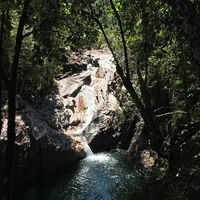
{"points": [[88, 150], [101, 176]]}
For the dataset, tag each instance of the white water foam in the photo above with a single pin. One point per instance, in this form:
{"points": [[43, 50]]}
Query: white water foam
{"points": [[100, 157]]}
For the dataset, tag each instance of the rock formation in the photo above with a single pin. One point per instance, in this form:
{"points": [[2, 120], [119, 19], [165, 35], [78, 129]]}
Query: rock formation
{"points": [[51, 131], [91, 105]]}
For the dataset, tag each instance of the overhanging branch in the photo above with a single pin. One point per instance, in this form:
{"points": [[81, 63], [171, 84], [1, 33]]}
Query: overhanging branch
{"points": [[171, 113]]}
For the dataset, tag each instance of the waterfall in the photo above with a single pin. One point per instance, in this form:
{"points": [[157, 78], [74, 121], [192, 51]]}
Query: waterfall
{"points": [[89, 100], [98, 157], [87, 150]]}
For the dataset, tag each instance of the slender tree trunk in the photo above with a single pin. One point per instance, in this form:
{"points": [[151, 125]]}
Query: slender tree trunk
{"points": [[145, 34], [149, 113], [1, 90], [1, 74], [10, 150]]}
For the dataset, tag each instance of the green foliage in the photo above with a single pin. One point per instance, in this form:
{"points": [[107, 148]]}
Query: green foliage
{"points": [[127, 111], [51, 27], [162, 39], [155, 43]]}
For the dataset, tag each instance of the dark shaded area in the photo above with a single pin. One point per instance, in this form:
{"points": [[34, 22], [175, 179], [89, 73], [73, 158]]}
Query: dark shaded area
{"points": [[41, 146], [127, 131], [87, 80], [105, 141], [115, 137], [70, 69], [75, 93]]}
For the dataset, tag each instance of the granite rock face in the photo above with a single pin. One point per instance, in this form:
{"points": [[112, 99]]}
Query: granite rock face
{"points": [[87, 97], [51, 131]]}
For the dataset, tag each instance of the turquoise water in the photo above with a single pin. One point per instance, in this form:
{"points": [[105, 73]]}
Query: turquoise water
{"points": [[103, 176]]}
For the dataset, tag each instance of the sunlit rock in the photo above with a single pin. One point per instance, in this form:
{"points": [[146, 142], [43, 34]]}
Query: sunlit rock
{"points": [[54, 131]]}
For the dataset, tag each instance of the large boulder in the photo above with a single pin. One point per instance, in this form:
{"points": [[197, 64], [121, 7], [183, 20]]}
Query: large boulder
{"points": [[41, 146]]}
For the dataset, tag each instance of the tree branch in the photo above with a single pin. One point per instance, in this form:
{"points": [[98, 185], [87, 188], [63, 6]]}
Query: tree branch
{"points": [[126, 81], [118, 67], [161, 108], [147, 117], [123, 39], [171, 113], [28, 34]]}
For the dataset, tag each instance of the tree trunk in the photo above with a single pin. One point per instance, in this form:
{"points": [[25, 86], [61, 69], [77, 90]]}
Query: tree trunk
{"points": [[145, 108], [10, 150], [1, 74]]}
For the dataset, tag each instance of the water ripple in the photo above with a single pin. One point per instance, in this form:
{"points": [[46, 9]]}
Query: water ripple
{"points": [[103, 176]]}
